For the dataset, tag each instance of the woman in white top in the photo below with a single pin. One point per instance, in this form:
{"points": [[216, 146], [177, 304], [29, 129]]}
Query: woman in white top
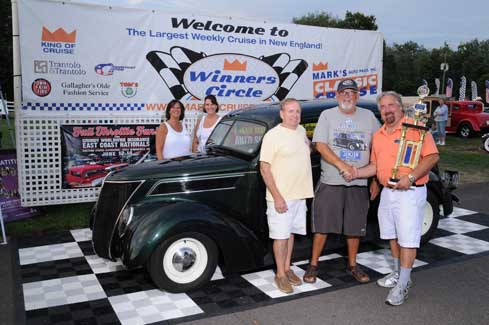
{"points": [[172, 138], [206, 124]]}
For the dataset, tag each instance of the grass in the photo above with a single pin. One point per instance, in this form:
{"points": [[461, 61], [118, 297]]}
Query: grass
{"points": [[462, 155], [52, 218], [467, 157], [7, 133]]}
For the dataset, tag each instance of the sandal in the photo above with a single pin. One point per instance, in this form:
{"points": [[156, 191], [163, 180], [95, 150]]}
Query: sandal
{"points": [[311, 274], [356, 272]]}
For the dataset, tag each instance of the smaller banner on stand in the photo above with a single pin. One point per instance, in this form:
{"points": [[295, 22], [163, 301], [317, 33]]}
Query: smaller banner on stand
{"points": [[91, 152], [9, 194]]}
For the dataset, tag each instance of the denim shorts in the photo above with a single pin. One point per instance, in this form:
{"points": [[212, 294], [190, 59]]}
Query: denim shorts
{"points": [[440, 128]]}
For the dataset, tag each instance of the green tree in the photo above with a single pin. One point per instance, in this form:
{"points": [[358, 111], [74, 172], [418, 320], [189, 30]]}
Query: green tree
{"points": [[471, 60], [6, 68], [352, 20], [356, 20]]}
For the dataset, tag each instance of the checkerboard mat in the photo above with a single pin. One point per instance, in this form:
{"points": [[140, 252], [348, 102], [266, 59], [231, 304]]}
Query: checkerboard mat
{"points": [[62, 291], [463, 244], [64, 282], [265, 281], [321, 258], [458, 226], [381, 261], [217, 274], [458, 212], [151, 306], [101, 265], [81, 234], [49, 253]]}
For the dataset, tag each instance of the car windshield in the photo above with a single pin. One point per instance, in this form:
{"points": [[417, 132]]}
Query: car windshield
{"points": [[236, 135], [89, 173]]}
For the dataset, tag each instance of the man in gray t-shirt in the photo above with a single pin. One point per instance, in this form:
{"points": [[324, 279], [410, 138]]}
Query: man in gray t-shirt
{"points": [[342, 137]]}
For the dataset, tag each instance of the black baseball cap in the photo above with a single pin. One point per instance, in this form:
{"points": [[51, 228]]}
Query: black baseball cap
{"points": [[347, 84]]}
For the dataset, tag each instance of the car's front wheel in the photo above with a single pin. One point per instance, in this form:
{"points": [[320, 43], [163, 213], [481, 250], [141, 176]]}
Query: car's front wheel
{"points": [[431, 217], [485, 142], [183, 262], [465, 130]]}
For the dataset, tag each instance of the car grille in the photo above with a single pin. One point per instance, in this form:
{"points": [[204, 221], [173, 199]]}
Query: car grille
{"points": [[111, 201]]}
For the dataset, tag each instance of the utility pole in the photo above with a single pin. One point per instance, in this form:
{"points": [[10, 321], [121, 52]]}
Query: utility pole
{"points": [[444, 67]]}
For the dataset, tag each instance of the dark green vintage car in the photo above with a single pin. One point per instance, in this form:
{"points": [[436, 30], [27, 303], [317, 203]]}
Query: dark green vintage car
{"points": [[182, 217]]}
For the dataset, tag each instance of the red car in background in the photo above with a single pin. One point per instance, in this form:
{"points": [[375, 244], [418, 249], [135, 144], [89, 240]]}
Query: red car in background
{"points": [[90, 175], [464, 117]]}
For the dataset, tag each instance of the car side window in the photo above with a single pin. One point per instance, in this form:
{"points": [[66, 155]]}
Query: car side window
{"points": [[245, 136], [309, 126]]}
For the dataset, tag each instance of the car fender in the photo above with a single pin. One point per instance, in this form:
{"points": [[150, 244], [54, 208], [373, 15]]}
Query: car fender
{"points": [[444, 195], [239, 247], [474, 124], [435, 185]]}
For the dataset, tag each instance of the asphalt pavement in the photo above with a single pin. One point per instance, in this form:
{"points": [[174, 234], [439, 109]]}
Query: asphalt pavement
{"points": [[448, 294]]}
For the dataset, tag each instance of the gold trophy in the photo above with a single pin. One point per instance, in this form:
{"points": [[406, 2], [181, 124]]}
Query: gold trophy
{"points": [[410, 151]]}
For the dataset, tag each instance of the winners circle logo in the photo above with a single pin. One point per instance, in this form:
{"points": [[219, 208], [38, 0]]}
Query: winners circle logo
{"points": [[231, 77], [41, 87]]}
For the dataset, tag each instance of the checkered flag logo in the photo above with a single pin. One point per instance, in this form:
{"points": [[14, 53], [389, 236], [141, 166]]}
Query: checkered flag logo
{"points": [[172, 66], [473, 88], [463, 86], [289, 71]]}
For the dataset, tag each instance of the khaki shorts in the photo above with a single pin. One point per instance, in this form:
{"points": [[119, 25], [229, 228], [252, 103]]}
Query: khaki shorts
{"points": [[340, 209]]}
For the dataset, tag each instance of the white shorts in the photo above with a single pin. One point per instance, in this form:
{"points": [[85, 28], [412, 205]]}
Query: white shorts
{"points": [[401, 215], [281, 225]]}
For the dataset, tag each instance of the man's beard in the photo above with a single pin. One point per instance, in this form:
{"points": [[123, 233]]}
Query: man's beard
{"points": [[346, 106], [390, 118]]}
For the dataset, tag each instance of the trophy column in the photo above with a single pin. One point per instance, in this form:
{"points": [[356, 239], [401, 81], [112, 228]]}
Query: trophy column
{"points": [[409, 151]]}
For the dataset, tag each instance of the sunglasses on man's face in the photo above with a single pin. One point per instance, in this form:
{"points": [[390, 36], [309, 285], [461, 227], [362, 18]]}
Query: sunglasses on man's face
{"points": [[350, 93]]}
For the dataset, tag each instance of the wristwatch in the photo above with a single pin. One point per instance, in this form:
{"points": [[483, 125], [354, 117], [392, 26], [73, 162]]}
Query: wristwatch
{"points": [[411, 178]]}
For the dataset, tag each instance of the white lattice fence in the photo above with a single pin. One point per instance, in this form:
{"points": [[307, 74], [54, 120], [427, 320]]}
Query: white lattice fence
{"points": [[39, 157]]}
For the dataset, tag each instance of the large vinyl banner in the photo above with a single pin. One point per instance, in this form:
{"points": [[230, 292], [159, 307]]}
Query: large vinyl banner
{"points": [[84, 58]]}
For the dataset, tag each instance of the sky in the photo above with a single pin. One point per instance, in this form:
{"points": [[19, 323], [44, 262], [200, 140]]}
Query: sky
{"points": [[430, 23]]}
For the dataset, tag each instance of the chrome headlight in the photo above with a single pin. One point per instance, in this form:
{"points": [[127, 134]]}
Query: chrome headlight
{"points": [[451, 177], [124, 220], [487, 122]]}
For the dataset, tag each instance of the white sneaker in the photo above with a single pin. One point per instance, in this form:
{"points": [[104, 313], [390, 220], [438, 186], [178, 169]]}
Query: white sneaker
{"points": [[397, 295], [391, 280]]}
